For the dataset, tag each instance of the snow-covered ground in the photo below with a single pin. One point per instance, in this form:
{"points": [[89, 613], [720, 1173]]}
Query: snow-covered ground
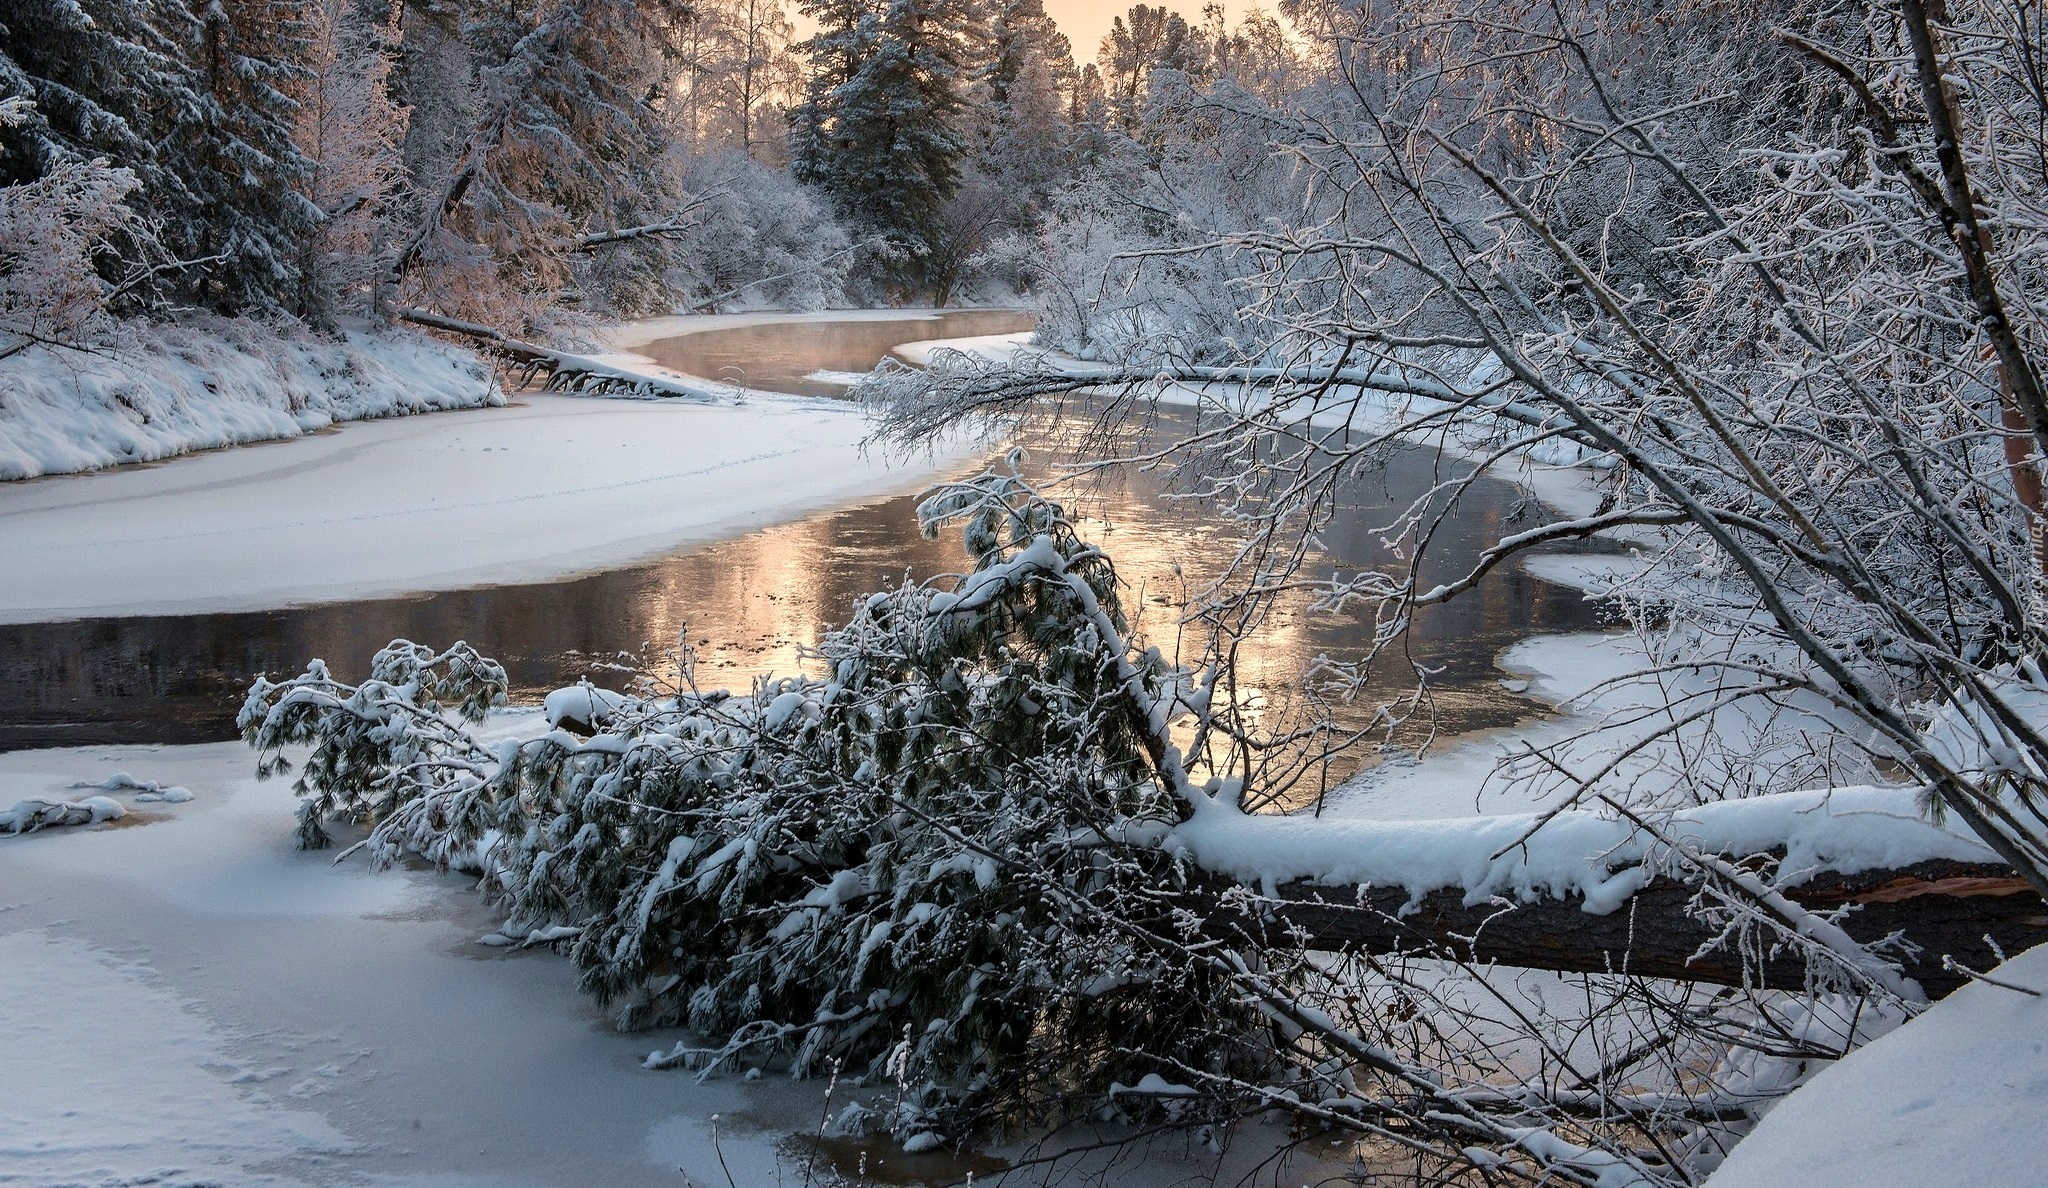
{"points": [[173, 389], [1954, 1098], [552, 486], [190, 999]]}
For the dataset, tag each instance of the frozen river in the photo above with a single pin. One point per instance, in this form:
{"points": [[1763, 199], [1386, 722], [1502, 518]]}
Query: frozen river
{"points": [[245, 966], [747, 603]]}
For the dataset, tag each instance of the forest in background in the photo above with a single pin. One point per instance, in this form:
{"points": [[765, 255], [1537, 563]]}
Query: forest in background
{"points": [[521, 165]]}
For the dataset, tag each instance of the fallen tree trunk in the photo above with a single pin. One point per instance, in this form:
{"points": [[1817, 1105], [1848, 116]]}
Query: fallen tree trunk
{"points": [[560, 371], [1946, 909]]}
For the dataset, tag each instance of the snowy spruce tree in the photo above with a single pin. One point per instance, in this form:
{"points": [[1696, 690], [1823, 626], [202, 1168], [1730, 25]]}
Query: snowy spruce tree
{"points": [[904, 866], [196, 103], [880, 130]]}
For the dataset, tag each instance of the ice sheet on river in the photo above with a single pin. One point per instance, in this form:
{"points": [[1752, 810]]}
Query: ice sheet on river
{"points": [[554, 486]]}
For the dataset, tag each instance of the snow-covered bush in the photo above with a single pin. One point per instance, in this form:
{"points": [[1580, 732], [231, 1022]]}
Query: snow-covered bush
{"points": [[382, 751], [1129, 263], [52, 231], [756, 238], [902, 866]]}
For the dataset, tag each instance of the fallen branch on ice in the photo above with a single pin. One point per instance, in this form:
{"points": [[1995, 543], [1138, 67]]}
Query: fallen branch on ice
{"points": [[37, 812], [564, 371]]}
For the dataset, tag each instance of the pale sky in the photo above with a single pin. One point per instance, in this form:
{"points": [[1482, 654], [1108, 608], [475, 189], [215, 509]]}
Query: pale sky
{"points": [[1086, 22]]}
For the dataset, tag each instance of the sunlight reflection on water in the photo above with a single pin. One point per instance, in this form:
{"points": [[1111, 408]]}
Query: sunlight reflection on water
{"points": [[751, 604]]}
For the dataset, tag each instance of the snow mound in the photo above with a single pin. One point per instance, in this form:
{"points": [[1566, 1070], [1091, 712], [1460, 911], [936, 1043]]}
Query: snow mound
{"points": [[1953, 1097], [173, 389], [994, 348], [1575, 853], [145, 790], [583, 707], [39, 812]]}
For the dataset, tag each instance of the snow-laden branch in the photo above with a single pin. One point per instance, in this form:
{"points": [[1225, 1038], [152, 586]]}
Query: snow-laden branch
{"points": [[1599, 856]]}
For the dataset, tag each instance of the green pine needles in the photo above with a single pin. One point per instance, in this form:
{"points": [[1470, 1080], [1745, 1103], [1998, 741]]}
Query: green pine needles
{"points": [[939, 862]]}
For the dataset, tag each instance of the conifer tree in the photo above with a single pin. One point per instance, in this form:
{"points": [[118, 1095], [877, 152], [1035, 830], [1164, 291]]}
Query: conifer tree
{"points": [[1030, 65], [834, 54], [195, 102], [232, 132], [886, 143]]}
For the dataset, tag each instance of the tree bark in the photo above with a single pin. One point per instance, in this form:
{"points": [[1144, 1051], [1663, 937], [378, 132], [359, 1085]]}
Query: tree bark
{"points": [[1945, 908]]}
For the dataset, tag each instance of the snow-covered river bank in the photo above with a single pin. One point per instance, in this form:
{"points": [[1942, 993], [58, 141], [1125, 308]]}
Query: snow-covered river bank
{"points": [[197, 1002], [552, 486]]}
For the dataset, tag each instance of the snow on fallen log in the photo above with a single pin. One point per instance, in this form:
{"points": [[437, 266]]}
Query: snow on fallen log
{"points": [[565, 371], [1580, 853], [1942, 908], [1542, 893], [37, 812]]}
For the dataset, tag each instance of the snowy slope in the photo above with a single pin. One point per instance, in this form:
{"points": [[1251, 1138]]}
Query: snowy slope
{"points": [[174, 389], [189, 1001], [552, 487], [1954, 1097]]}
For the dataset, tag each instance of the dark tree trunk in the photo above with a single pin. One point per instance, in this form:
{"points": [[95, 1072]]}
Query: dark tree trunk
{"points": [[1945, 908]]}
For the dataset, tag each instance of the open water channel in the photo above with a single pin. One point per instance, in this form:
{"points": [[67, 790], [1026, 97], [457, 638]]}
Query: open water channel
{"points": [[748, 605]]}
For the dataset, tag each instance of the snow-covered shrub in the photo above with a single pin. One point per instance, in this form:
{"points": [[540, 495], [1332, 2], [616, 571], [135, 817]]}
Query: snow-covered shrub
{"points": [[924, 863], [383, 751], [757, 239], [52, 231], [1128, 261]]}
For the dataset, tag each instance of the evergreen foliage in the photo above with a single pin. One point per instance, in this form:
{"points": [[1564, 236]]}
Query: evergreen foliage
{"points": [[197, 105], [885, 140], [904, 865]]}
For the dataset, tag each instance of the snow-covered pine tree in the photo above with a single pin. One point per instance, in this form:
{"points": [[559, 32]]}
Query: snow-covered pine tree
{"points": [[1020, 145], [231, 132], [89, 75], [925, 862], [833, 55], [887, 142], [1148, 38], [86, 72], [560, 147], [193, 101]]}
